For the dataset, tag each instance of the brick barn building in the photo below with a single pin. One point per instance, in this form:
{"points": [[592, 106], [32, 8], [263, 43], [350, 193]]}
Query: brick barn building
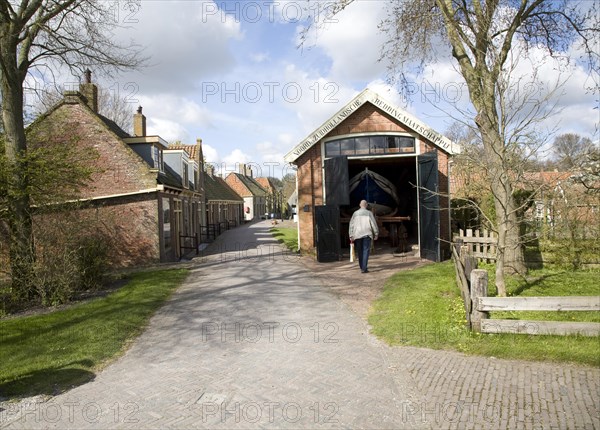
{"points": [[372, 143]]}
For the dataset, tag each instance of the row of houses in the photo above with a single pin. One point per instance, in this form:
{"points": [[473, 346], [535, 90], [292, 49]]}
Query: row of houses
{"points": [[165, 199]]}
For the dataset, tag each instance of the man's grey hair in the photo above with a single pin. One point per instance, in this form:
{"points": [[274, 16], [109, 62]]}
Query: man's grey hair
{"points": [[363, 204]]}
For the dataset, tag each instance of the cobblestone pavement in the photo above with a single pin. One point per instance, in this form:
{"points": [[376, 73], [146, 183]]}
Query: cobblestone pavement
{"points": [[254, 340]]}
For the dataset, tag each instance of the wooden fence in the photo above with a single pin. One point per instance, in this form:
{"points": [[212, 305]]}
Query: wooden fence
{"points": [[473, 284], [480, 244], [482, 305]]}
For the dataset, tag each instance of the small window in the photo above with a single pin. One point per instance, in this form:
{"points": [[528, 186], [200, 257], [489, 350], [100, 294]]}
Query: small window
{"points": [[362, 145], [157, 158], [332, 149], [392, 144], [405, 143], [378, 144], [347, 147]]}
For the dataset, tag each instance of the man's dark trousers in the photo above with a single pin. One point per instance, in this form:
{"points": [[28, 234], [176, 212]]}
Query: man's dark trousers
{"points": [[363, 247]]}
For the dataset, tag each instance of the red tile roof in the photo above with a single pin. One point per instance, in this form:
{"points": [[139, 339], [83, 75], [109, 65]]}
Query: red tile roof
{"points": [[266, 184], [192, 150]]}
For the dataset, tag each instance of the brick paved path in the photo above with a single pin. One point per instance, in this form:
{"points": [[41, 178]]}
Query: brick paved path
{"points": [[253, 341]]}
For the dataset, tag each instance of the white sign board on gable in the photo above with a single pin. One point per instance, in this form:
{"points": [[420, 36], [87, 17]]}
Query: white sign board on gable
{"points": [[369, 96]]}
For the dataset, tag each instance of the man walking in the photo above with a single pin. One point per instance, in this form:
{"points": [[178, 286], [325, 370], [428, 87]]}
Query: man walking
{"points": [[363, 228]]}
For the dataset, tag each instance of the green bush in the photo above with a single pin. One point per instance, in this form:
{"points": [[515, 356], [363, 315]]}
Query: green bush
{"points": [[72, 256], [65, 268]]}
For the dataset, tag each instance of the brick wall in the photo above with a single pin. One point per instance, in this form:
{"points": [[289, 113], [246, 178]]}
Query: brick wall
{"points": [[310, 193], [368, 118], [135, 231], [126, 226]]}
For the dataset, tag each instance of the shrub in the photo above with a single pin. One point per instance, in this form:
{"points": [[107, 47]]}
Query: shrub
{"points": [[72, 256]]}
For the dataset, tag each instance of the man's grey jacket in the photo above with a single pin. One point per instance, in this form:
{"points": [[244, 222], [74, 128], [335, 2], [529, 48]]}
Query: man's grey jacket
{"points": [[363, 224]]}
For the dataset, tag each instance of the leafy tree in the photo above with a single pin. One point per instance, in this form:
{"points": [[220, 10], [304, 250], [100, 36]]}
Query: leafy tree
{"points": [[38, 36], [484, 39]]}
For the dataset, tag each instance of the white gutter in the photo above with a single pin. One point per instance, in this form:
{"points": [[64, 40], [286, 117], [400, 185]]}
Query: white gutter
{"points": [[159, 187]]}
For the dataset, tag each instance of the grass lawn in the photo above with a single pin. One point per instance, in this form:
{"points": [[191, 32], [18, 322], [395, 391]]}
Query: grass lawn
{"points": [[286, 235], [422, 307], [50, 353]]}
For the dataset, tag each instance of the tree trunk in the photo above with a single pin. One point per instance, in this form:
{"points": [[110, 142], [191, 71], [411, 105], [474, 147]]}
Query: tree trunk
{"points": [[510, 257], [21, 248], [508, 223]]}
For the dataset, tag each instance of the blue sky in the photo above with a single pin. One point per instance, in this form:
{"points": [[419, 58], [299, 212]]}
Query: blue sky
{"points": [[231, 74]]}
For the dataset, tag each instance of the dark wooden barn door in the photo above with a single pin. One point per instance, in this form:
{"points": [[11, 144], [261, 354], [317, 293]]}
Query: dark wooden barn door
{"points": [[429, 206], [336, 181], [327, 220]]}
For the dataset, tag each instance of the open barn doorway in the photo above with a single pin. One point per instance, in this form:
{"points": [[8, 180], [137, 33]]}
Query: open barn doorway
{"points": [[398, 217]]}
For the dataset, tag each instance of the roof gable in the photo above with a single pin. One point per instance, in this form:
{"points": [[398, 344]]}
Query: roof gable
{"points": [[249, 185], [266, 184], [369, 96]]}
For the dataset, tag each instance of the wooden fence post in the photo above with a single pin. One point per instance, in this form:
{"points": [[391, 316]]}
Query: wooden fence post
{"points": [[462, 282], [479, 282]]}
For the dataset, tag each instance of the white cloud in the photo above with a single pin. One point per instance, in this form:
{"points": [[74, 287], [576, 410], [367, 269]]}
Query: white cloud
{"points": [[386, 90], [210, 154], [558, 86], [576, 118], [260, 57], [185, 42], [169, 130], [321, 98], [176, 109], [286, 139], [237, 156], [270, 152], [353, 41], [264, 147]]}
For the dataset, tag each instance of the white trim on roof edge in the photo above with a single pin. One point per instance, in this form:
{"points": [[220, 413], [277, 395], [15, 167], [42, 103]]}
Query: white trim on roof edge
{"points": [[368, 95]]}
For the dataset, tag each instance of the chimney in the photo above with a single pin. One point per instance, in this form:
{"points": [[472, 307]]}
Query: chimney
{"points": [[199, 154], [245, 170], [89, 91], [139, 123], [210, 170]]}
